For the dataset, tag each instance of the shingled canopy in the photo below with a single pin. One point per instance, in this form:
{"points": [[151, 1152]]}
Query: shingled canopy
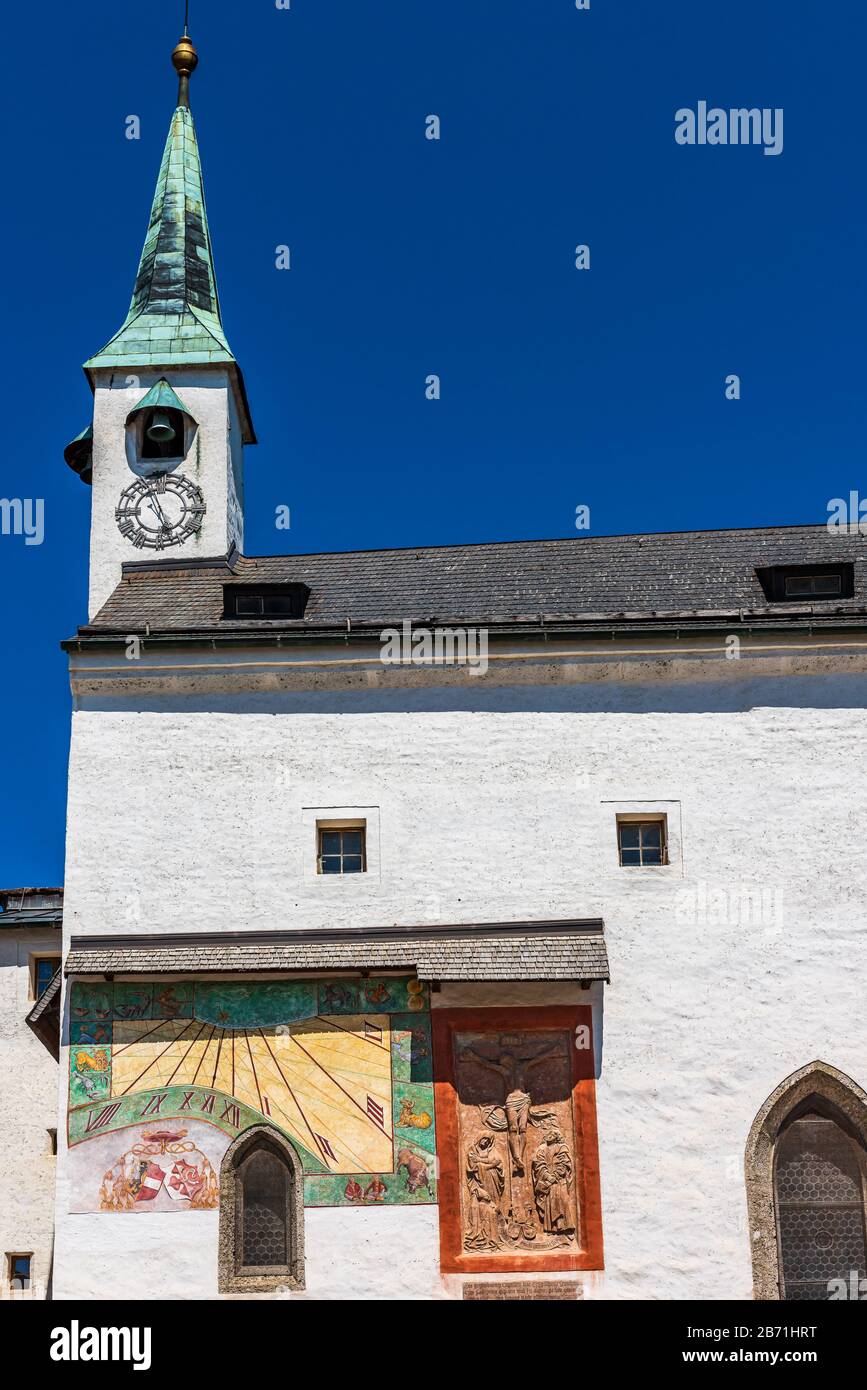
{"points": [[558, 950]]}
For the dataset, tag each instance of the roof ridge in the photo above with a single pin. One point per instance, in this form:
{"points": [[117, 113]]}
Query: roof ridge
{"points": [[813, 527]]}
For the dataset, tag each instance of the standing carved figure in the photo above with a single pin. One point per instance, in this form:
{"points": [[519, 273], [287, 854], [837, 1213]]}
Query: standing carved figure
{"points": [[486, 1183], [552, 1183]]}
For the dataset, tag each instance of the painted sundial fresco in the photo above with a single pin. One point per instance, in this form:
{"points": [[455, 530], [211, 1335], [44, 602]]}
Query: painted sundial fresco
{"points": [[163, 1077]]}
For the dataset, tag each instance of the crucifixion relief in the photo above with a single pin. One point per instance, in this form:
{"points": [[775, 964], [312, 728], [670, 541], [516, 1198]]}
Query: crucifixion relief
{"points": [[516, 1085]]}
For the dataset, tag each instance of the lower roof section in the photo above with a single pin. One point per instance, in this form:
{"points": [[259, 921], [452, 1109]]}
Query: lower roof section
{"points": [[552, 950]]}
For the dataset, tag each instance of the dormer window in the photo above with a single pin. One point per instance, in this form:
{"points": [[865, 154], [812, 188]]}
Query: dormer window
{"points": [[264, 601], [806, 583]]}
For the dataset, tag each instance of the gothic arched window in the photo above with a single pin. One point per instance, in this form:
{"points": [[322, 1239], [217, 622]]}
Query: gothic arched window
{"points": [[261, 1215], [806, 1170]]}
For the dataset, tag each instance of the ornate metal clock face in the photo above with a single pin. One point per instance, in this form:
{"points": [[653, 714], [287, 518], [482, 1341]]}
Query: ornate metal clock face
{"points": [[164, 509]]}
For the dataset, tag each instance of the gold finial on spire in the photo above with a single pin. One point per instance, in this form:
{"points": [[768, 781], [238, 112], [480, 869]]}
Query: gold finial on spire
{"points": [[185, 60]]}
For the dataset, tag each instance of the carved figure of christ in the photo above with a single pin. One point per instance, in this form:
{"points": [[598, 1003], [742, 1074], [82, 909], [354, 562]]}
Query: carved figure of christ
{"points": [[513, 1065]]}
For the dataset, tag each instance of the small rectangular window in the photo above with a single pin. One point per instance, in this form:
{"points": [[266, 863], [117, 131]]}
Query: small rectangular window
{"points": [[44, 968], [19, 1272], [805, 585], [642, 843], [341, 850]]}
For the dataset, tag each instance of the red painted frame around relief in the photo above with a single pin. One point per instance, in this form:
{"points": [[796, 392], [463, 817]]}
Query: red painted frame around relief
{"points": [[453, 1259]]}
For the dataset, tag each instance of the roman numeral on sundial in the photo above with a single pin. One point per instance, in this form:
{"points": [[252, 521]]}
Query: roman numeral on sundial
{"points": [[99, 1119], [326, 1148]]}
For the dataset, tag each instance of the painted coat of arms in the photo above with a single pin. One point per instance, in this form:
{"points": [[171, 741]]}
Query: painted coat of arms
{"points": [[161, 1161]]}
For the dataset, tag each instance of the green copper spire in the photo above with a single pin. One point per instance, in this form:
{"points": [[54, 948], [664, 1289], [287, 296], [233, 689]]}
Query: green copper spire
{"points": [[174, 318]]}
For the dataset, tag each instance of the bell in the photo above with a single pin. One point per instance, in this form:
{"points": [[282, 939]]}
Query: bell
{"points": [[160, 429]]}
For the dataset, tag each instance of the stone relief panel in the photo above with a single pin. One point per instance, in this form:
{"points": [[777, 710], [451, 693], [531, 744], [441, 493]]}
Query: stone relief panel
{"points": [[516, 1140]]}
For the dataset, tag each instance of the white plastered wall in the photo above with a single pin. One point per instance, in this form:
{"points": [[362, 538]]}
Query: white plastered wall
{"points": [[730, 970]]}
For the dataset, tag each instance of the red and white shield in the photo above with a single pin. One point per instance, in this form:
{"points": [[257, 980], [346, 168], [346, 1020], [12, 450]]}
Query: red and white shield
{"points": [[150, 1182], [184, 1182]]}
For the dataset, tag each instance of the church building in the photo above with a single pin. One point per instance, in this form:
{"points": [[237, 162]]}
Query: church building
{"points": [[461, 922]]}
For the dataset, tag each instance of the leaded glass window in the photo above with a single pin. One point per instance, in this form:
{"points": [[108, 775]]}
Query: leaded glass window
{"points": [[264, 1211], [819, 1186]]}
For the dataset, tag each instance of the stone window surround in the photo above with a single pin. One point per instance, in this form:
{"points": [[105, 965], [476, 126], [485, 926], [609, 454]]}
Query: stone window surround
{"points": [[839, 1092], [659, 809], [314, 818], [230, 1279]]}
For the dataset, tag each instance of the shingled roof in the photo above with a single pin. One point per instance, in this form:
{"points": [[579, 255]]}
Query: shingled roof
{"points": [[637, 578], [562, 950]]}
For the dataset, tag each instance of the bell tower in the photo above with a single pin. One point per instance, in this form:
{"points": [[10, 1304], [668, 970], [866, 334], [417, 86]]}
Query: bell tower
{"points": [[164, 454]]}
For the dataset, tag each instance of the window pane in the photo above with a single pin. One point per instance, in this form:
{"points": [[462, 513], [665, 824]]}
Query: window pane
{"points": [[265, 1235], [652, 834], [44, 975], [352, 863], [279, 605], [330, 842], [248, 605], [630, 856], [827, 584], [352, 842], [652, 855], [629, 836], [20, 1272], [330, 864], [798, 584]]}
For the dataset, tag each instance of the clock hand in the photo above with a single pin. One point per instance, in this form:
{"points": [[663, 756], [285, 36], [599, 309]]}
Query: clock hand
{"points": [[159, 513]]}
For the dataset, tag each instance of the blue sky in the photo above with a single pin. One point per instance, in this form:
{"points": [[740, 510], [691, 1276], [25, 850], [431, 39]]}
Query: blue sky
{"points": [[455, 257]]}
